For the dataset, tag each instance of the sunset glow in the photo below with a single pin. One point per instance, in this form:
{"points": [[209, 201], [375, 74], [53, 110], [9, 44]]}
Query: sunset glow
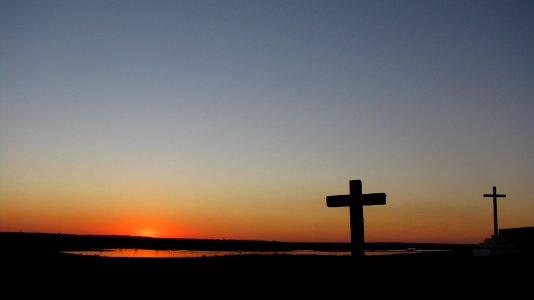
{"points": [[235, 119], [148, 233]]}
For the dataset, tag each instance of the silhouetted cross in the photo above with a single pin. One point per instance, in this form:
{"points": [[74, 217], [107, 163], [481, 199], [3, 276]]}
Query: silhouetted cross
{"points": [[356, 200], [495, 196]]}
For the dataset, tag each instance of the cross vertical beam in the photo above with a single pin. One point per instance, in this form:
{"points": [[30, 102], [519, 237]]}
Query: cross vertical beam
{"points": [[495, 218], [355, 201], [357, 229]]}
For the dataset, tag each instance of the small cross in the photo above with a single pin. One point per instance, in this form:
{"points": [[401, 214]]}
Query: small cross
{"points": [[495, 196], [356, 200]]}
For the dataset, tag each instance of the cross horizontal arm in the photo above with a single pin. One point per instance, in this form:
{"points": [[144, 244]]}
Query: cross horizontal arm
{"points": [[338, 200], [348, 200], [495, 195], [374, 199]]}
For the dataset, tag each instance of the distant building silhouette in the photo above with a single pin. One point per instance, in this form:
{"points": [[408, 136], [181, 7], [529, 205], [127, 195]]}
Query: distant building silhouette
{"points": [[522, 238]]}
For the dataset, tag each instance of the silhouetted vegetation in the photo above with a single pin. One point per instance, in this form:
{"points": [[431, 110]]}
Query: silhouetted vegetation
{"points": [[63, 242]]}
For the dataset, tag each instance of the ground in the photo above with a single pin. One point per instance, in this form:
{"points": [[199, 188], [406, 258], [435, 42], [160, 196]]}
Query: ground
{"points": [[309, 275]]}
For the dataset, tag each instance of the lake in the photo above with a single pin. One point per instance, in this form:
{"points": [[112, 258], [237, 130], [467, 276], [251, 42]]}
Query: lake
{"points": [[146, 253]]}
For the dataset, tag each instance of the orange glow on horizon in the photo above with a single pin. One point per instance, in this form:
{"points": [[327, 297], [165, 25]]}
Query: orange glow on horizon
{"points": [[148, 233], [404, 219]]}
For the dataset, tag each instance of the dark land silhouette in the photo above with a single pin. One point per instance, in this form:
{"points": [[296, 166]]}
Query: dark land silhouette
{"points": [[35, 243], [41, 251], [36, 257]]}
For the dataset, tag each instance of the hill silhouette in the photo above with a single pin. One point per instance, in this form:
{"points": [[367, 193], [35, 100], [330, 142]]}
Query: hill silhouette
{"points": [[23, 242], [34, 257]]}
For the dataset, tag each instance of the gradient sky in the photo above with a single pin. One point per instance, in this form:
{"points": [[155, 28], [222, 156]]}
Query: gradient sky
{"points": [[235, 119]]}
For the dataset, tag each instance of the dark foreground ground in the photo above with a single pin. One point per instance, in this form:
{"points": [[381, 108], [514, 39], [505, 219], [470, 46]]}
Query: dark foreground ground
{"points": [[36, 258]]}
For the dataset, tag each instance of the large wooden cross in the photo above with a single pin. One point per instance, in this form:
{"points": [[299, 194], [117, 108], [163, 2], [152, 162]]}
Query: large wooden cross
{"points": [[356, 200], [495, 196]]}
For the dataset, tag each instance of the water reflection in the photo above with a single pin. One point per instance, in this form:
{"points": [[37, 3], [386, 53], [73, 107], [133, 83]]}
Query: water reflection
{"points": [[146, 253]]}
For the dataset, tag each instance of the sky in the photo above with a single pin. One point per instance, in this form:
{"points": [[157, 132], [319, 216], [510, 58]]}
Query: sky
{"points": [[234, 119]]}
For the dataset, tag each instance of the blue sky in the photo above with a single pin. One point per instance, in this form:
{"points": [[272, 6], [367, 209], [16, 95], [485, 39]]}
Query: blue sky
{"points": [[421, 98]]}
